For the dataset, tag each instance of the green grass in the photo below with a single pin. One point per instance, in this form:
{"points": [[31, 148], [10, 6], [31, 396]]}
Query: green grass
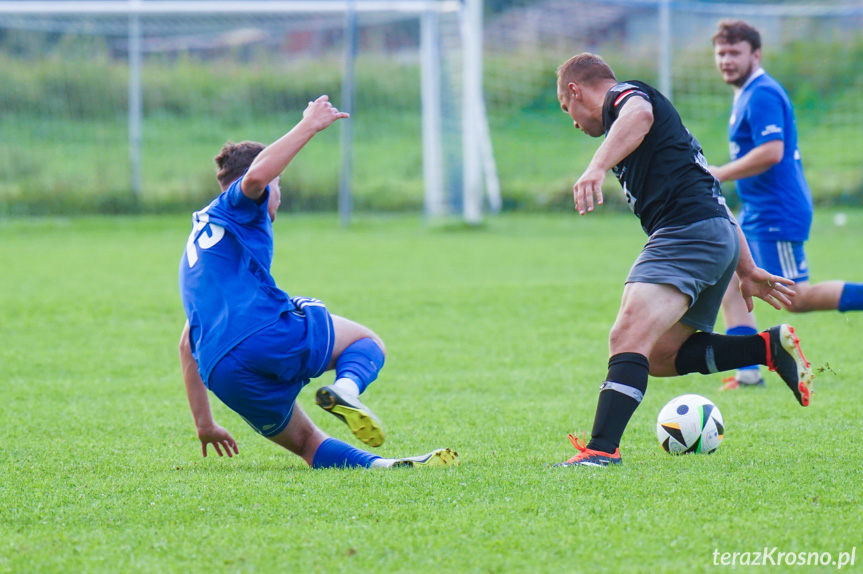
{"points": [[496, 346]]}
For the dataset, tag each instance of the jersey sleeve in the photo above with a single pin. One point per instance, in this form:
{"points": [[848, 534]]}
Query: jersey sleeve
{"points": [[244, 210], [616, 98], [766, 116], [625, 96]]}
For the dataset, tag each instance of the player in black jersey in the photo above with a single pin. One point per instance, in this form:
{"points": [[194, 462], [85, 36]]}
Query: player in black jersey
{"points": [[674, 290]]}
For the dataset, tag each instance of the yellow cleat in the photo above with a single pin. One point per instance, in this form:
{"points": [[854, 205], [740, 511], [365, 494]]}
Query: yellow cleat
{"points": [[442, 457], [362, 422]]}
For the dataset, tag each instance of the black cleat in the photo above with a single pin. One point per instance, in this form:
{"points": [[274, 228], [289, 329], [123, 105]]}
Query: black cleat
{"points": [[785, 357]]}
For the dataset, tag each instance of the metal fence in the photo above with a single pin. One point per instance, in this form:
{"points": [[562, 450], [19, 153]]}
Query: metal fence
{"points": [[79, 134], [814, 50]]}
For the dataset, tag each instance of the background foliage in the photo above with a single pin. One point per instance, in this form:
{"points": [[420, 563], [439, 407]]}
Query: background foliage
{"points": [[64, 142]]}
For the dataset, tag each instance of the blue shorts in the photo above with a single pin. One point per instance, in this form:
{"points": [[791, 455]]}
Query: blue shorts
{"points": [[698, 259], [260, 378], [784, 258]]}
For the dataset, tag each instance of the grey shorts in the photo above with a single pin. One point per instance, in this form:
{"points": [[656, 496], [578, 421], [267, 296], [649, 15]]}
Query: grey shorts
{"points": [[699, 259]]}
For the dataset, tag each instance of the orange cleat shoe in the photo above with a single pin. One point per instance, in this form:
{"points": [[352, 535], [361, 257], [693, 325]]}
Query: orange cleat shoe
{"points": [[588, 457], [785, 357]]}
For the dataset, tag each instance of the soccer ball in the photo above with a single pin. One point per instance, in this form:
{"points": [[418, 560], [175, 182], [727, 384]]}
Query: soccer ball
{"points": [[690, 423]]}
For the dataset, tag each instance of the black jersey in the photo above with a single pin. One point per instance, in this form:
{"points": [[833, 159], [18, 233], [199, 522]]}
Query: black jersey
{"points": [[665, 180]]}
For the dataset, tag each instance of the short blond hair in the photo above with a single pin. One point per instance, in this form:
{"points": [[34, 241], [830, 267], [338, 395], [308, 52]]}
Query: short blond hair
{"points": [[584, 68]]}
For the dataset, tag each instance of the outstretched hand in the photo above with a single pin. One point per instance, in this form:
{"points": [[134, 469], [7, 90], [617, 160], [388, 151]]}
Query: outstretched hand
{"points": [[588, 186], [322, 114], [219, 438], [768, 287]]}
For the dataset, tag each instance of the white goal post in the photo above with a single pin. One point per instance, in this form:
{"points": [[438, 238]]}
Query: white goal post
{"points": [[477, 161]]}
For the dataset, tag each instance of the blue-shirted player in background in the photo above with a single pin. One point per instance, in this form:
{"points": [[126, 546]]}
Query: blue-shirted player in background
{"points": [[254, 346], [777, 206]]}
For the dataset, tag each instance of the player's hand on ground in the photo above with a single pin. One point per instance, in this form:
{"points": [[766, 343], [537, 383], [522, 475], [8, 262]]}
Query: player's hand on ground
{"points": [[773, 289], [322, 114], [588, 186], [219, 438]]}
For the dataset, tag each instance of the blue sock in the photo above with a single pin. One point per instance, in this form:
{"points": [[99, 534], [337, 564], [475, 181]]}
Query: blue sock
{"points": [[361, 362], [851, 298], [743, 330], [335, 453]]}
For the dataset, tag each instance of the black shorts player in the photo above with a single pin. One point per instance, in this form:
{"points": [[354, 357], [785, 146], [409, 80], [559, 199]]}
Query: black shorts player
{"points": [[674, 290]]}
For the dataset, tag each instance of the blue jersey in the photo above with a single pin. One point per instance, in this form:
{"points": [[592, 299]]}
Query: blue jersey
{"points": [[225, 283], [777, 205]]}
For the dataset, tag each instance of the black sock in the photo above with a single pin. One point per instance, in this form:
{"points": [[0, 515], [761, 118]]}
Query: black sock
{"points": [[707, 353], [620, 395]]}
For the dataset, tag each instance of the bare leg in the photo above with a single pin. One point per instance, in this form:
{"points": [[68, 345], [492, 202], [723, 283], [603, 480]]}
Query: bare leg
{"points": [[819, 297], [647, 312], [665, 350], [301, 436], [734, 311]]}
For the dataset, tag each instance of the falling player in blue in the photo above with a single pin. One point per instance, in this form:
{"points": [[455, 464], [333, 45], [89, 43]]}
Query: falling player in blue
{"points": [[777, 206], [254, 346]]}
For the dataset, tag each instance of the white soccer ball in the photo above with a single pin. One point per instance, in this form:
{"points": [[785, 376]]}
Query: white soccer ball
{"points": [[690, 423]]}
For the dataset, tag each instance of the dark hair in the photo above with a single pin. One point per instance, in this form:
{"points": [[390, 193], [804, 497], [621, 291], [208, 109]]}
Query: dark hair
{"points": [[584, 68], [234, 159], [734, 31]]}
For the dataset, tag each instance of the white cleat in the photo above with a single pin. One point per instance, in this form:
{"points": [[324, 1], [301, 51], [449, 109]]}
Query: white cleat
{"points": [[440, 458]]}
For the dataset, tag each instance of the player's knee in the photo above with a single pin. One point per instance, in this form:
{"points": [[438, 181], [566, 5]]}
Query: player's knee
{"points": [[380, 342], [662, 362], [623, 339], [616, 341]]}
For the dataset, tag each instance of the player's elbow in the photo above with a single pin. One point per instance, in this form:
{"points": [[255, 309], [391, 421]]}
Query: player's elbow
{"points": [[253, 184], [646, 114]]}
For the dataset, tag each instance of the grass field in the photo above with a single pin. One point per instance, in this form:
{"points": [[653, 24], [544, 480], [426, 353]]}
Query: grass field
{"points": [[496, 347]]}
